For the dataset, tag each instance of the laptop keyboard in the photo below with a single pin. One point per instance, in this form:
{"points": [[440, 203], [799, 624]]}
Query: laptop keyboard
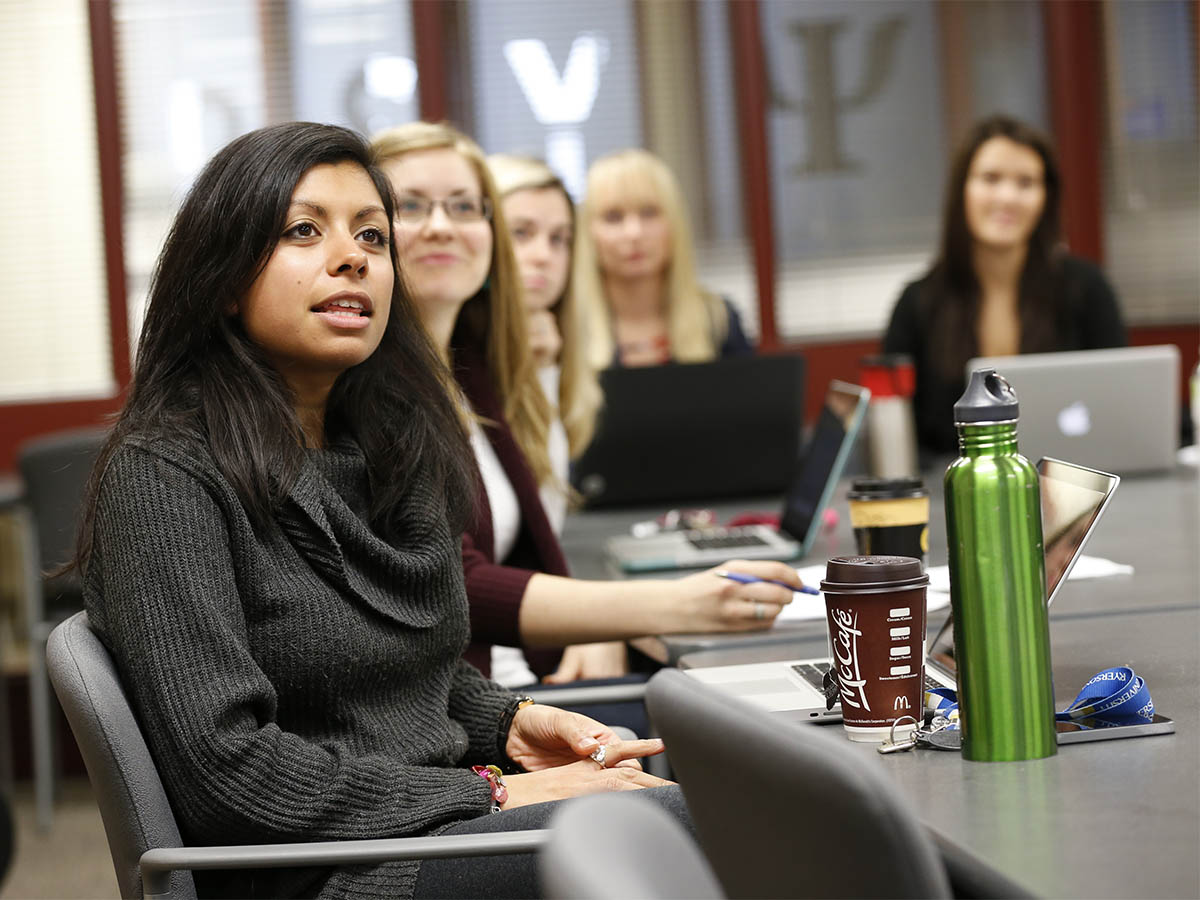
{"points": [[725, 539], [814, 674]]}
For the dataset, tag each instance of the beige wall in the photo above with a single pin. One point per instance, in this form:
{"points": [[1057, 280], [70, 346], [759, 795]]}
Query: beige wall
{"points": [[53, 309]]}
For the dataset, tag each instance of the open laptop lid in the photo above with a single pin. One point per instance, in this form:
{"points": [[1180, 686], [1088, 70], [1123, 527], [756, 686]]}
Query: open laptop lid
{"points": [[1074, 498], [825, 457], [1115, 409], [695, 431]]}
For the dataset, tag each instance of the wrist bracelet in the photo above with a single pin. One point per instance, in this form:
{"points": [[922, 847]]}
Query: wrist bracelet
{"points": [[494, 777]]}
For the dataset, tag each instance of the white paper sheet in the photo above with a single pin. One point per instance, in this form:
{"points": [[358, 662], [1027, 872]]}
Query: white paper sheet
{"points": [[808, 606], [1085, 567]]}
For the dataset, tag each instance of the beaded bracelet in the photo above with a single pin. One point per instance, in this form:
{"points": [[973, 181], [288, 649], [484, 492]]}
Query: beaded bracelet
{"points": [[494, 777]]}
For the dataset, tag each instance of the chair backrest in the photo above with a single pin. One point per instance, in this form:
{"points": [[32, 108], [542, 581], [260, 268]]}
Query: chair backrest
{"points": [[615, 846], [786, 810], [55, 471], [133, 803]]}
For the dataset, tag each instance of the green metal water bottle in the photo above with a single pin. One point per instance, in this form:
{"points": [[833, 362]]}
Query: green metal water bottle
{"points": [[998, 581]]}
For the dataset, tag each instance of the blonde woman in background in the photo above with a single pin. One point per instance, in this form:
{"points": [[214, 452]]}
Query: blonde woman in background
{"points": [[541, 219], [456, 255], [635, 271]]}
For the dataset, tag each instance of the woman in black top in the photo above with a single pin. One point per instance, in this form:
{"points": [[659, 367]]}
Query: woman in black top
{"points": [[271, 549], [1002, 283]]}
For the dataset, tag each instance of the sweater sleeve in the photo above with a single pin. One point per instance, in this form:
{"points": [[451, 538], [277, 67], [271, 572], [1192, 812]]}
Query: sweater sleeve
{"points": [[478, 704], [495, 594], [1100, 323], [904, 333], [163, 593]]}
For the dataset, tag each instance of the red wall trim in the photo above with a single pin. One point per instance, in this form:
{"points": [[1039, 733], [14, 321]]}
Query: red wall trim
{"points": [[429, 41], [1075, 79], [752, 93], [825, 362], [21, 421], [1185, 337], [840, 360]]}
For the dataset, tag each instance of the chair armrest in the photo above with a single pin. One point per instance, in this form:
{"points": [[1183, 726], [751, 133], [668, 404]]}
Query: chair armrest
{"points": [[156, 865], [581, 696]]}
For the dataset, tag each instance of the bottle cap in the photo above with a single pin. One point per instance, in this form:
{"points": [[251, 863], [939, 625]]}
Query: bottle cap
{"points": [[886, 488], [863, 573], [888, 375], [988, 398]]}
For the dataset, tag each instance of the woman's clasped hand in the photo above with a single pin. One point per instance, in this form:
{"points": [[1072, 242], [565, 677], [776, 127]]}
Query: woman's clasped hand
{"points": [[556, 749]]}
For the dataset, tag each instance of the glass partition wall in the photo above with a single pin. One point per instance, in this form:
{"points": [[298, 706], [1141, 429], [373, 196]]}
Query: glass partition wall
{"points": [[863, 103]]}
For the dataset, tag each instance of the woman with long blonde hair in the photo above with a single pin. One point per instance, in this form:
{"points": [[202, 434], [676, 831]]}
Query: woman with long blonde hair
{"points": [[541, 217], [635, 271], [456, 255]]}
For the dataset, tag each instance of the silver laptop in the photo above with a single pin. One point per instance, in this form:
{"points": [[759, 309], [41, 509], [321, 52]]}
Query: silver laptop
{"points": [[811, 489], [1116, 410], [1073, 500]]}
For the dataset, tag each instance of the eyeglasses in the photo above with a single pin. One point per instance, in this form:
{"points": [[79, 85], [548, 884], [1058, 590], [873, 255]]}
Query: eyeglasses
{"points": [[414, 210]]}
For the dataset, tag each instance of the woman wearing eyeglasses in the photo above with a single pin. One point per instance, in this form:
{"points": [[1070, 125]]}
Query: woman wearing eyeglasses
{"points": [[456, 254], [635, 271]]}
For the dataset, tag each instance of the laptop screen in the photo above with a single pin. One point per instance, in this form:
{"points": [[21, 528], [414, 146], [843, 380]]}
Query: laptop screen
{"points": [[824, 457], [1073, 499], [695, 431]]}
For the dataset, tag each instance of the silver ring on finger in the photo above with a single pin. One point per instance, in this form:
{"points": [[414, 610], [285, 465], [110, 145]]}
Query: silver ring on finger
{"points": [[599, 755], [760, 611]]}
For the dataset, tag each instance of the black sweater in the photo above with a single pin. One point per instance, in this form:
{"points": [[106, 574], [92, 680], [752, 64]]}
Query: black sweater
{"points": [[1091, 319], [302, 683]]}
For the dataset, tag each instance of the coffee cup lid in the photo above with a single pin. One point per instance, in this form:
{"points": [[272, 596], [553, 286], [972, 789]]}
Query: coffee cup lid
{"points": [[859, 573], [886, 488]]}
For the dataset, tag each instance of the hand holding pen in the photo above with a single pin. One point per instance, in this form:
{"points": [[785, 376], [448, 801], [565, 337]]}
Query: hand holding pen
{"points": [[741, 578]]}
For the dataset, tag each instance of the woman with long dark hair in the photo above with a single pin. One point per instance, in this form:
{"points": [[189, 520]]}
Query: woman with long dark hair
{"points": [[271, 549], [1002, 283]]}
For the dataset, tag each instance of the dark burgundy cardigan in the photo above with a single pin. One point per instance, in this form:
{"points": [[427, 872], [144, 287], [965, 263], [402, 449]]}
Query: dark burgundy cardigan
{"points": [[495, 590]]}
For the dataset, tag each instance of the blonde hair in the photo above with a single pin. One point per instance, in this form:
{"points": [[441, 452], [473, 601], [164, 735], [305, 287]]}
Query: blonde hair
{"points": [[494, 319], [697, 321], [579, 394]]}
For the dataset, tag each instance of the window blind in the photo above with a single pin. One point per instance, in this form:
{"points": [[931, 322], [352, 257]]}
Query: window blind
{"points": [[54, 340]]}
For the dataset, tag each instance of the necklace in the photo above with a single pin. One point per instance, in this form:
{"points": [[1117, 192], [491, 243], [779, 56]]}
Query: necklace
{"points": [[653, 349]]}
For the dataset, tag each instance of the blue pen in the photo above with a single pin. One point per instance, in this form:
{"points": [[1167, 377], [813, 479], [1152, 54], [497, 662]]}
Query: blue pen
{"points": [[751, 579]]}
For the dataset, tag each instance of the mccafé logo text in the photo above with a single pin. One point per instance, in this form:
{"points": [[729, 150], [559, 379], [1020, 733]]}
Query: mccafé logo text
{"points": [[845, 651]]}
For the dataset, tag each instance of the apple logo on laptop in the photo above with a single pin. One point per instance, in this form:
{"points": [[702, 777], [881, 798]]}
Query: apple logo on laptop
{"points": [[1075, 420]]}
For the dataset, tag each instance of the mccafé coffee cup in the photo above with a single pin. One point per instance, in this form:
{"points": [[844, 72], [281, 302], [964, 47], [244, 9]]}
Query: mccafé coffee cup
{"points": [[875, 608], [890, 516]]}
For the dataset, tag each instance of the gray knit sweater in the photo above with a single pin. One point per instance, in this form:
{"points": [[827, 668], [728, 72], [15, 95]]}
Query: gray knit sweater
{"points": [[299, 684]]}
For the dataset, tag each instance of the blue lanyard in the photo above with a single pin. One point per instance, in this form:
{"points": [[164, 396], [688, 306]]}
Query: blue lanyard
{"points": [[1116, 693]]}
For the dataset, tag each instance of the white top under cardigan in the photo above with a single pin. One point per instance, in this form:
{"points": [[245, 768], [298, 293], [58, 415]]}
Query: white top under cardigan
{"points": [[508, 663]]}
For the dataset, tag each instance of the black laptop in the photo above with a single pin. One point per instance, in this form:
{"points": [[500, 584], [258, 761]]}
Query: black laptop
{"points": [[695, 431]]}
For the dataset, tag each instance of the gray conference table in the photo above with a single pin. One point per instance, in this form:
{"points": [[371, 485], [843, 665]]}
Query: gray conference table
{"points": [[1109, 819], [1150, 524]]}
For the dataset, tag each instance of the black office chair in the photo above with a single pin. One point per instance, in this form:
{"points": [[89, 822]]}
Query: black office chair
{"points": [[55, 470], [143, 836], [616, 846], [783, 810]]}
